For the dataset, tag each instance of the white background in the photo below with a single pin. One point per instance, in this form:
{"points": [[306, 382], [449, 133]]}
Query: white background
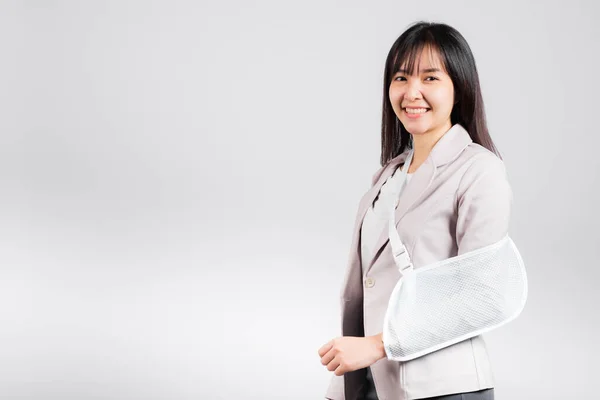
{"points": [[179, 180]]}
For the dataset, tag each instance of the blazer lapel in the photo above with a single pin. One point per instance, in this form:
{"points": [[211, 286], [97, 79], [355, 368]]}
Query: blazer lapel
{"points": [[412, 192], [353, 278], [421, 180], [374, 191]]}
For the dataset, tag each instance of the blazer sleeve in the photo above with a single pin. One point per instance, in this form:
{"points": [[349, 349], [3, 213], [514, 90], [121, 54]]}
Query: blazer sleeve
{"points": [[484, 202]]}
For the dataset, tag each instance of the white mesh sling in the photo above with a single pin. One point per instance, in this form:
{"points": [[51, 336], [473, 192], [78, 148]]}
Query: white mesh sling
{"points": [[446, 302]]}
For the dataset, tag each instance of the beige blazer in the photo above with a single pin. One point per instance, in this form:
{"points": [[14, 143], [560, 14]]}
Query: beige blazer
{"points": [[458, 200]]}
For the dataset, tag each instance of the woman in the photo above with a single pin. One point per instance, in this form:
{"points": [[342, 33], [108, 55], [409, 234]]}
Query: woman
{"points": [[457, 199]]}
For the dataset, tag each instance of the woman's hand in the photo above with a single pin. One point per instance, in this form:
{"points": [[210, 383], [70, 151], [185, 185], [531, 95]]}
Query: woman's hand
{"points": [[348, 353]]}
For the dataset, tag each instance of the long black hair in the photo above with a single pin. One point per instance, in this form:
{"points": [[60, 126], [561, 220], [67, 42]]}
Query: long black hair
{"points": [[459, 63]]}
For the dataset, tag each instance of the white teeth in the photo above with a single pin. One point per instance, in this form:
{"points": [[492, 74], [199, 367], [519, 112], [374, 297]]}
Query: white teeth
{"points": [[415, 110]]}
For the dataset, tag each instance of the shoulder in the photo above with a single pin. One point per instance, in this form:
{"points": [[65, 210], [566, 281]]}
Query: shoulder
{"points": [[478, 158], [483, 174], [477, 163]]}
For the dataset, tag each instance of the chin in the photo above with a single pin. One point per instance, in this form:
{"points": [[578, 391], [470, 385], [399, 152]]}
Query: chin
{"points": [[415, 128]]}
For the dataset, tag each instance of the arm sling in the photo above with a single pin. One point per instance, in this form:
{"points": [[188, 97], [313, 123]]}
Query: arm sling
{"points": [[452, 300]]}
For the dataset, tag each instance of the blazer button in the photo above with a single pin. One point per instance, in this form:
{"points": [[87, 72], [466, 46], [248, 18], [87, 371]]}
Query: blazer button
{"points": [[369, 282]]}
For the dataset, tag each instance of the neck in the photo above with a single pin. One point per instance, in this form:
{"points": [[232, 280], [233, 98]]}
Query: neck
{"points": [[422, 146]]}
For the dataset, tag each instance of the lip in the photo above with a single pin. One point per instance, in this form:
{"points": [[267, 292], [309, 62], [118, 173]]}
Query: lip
{"points": [[415, 116]]}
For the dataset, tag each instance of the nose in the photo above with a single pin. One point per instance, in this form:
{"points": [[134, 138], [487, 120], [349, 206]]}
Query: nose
{"points": [[413, 91]]}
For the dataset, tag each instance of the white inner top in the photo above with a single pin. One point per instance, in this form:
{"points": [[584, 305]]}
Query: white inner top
{"points": [[376, 218]]}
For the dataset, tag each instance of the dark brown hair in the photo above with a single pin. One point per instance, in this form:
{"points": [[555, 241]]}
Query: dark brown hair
{"points": [[459, 63]]}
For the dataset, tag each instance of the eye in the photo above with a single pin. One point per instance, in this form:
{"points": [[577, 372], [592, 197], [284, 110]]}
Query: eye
{"points": [[399, 78], [431, 78]]}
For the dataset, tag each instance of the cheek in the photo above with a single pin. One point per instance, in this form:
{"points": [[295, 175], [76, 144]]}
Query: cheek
{"points": [[442, 100], [395, 95]]}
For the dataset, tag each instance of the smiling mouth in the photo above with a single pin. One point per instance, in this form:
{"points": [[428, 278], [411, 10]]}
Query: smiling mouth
{"points": [[416, 110]]}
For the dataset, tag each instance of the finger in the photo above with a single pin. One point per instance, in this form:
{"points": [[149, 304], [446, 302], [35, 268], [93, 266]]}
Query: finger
{"points": [[327, 357], [325, 348], [340, 370], [333, 365]]}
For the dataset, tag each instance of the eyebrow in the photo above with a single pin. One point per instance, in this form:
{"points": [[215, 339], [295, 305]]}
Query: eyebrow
{"points": [[424, 71]]}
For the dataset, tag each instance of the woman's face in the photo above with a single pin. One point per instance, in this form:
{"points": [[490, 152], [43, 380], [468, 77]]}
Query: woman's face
{"points": [[423, 101]]}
